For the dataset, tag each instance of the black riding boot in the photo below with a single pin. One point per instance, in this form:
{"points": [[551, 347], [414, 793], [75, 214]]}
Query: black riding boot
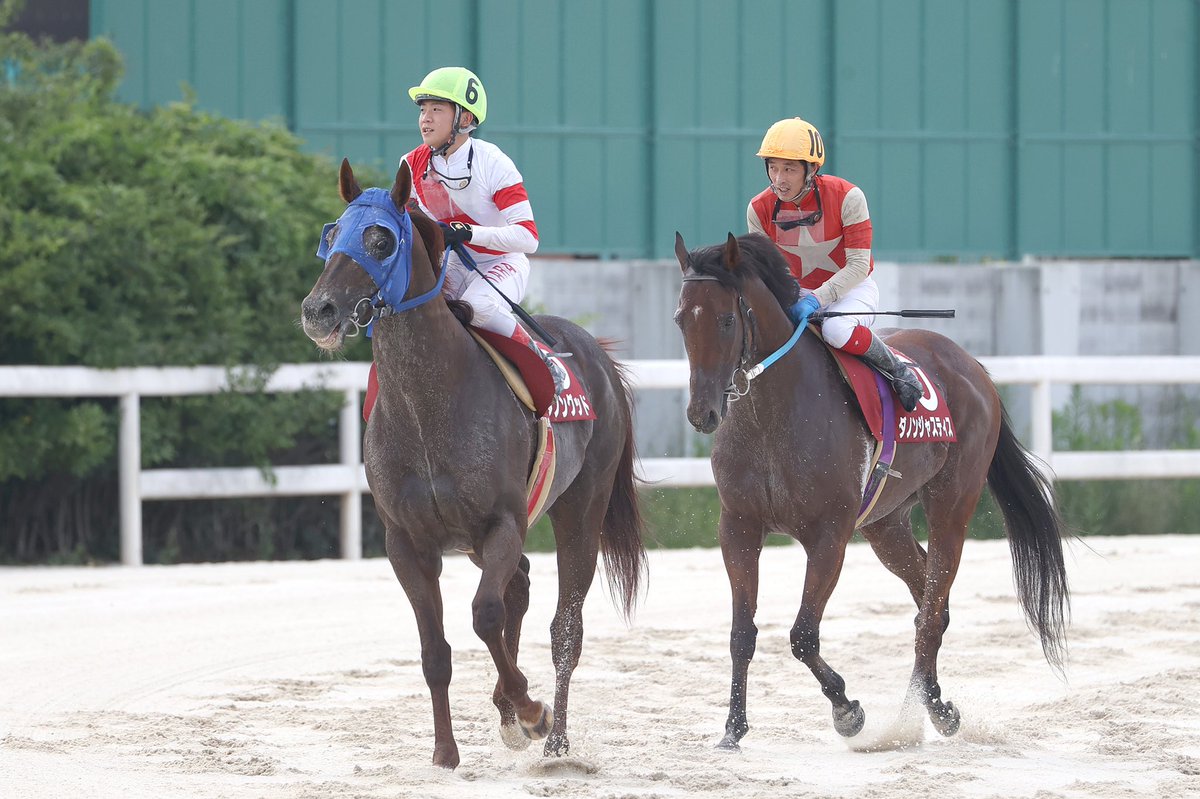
{"points": [[906, 385]]}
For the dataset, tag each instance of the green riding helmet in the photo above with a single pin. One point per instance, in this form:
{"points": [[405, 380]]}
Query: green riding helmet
{"points": [[456, 84]]}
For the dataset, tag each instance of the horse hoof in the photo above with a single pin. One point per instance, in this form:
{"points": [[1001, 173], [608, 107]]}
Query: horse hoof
{"points": [[446, 758], [849, 722], [728, 744], [540, 728], [514, 737], [946, 720]]}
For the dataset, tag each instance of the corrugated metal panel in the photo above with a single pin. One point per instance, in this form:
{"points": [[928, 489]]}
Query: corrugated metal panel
{"points": [[924, 120], [990, 128], [724, 72], [236, 55], [355, 61], [569, 81], [1108, 127]]}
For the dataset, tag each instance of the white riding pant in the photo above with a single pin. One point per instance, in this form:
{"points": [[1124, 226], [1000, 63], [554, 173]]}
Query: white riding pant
{"points": [[510, 275], [862, 301]]}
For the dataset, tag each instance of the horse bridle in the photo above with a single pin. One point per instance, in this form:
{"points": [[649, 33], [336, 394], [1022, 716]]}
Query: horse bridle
{"points": [[376, 207], [739, 381]]}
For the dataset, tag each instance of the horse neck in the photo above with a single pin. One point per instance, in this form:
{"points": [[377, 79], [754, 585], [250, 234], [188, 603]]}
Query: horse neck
{"points": [[421, 337], [427, 339], [774, 327], [808, 366]]}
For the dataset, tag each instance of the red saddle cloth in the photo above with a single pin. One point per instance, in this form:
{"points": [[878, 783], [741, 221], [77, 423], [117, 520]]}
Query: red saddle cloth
{"points": [[572, 405], [929, 421]]}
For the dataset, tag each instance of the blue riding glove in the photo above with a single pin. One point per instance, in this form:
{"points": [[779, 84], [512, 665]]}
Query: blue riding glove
{"points": [[455, 233], [800, 312]]}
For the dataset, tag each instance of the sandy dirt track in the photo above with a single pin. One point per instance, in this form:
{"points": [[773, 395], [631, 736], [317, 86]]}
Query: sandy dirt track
{"points": [[303, 680]]}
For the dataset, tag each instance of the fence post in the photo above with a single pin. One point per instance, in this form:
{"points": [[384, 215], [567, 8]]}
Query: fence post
{"points": [[129, 479], [1042, 410], [349, 438]]}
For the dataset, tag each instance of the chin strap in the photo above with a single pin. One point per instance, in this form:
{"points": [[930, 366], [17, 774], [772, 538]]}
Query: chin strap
{"points": [[454, 131]]}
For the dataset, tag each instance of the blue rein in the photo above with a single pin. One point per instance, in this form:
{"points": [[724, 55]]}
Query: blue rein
{"points": [[374, 208], [734, 391], [761, 366]]}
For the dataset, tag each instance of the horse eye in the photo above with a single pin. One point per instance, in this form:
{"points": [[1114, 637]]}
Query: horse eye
{"points": [[678, 317], [725, 322], [379, 242]]}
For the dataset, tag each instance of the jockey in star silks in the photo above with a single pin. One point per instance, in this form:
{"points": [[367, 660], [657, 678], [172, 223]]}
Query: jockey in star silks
{"points": [[476, 193], [821, 225]]}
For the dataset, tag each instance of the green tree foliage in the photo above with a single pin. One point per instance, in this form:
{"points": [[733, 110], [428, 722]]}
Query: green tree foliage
{"points": [[144, 238]]}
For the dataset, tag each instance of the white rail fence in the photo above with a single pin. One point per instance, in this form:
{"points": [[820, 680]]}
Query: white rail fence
{"points": [[347, 478]]}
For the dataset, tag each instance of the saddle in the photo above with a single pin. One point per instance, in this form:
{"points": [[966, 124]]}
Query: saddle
{"points": [[572, 405], [887, 420], [533, 386], [530, 381]]}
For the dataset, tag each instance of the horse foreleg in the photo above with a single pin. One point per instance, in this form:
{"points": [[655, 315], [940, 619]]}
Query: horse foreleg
{"points": [[500, 557], [516, 604], [741, 547], [824, 568], [418, 576]]}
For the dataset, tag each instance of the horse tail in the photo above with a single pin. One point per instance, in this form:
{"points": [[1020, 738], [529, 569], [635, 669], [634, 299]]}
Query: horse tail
{"points": [[1025, 496], [621, 541]]}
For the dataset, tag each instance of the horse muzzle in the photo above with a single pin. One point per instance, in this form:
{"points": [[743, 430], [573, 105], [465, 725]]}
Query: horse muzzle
{"points": [[706, 414], [323, 322], [705, 420]]}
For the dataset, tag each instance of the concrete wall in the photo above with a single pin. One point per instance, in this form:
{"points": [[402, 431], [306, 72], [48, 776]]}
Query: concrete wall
{"points": [[1030, 308]]}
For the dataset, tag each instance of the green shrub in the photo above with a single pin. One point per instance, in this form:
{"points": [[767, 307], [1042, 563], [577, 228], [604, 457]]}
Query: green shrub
{"points": [[1119, 507], [131, 238]]}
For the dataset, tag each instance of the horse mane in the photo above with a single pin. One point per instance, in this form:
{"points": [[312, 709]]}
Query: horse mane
{"points": [[757, 257], [431, 234]]}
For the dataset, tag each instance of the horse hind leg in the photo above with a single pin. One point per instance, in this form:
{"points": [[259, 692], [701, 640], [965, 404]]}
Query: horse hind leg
{"points": [[577, 544], [892, 541], [947, 532]]}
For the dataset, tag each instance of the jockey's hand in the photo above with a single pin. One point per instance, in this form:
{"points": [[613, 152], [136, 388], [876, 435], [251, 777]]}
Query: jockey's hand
{"points": [[800, 312], [455, 232]]}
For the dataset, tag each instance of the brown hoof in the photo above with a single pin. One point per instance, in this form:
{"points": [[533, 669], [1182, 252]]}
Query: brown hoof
{"points": [[446, 757], [540, 728]]}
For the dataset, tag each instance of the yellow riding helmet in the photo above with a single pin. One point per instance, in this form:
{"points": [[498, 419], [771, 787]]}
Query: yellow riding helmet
{"points": [[456, 84], [795, 140]]}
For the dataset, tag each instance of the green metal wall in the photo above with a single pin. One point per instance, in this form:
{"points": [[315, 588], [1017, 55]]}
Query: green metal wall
{"points": [[977, 128]]}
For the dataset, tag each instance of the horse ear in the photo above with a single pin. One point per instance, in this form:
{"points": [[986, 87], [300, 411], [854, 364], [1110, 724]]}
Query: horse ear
{"points": [[402, 188], [347, 184], [731, 253], [681, 252]]}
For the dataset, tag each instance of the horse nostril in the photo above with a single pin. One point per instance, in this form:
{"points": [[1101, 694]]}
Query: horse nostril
{"points": [[317, 313], [705, 421]]}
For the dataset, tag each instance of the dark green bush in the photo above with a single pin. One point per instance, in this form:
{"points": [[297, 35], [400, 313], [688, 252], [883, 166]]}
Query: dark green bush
{"points": [[144, 238]]}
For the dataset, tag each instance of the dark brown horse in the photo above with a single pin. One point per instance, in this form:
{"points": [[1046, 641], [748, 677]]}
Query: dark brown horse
{"points": [[792, 456], [448, 450]]}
